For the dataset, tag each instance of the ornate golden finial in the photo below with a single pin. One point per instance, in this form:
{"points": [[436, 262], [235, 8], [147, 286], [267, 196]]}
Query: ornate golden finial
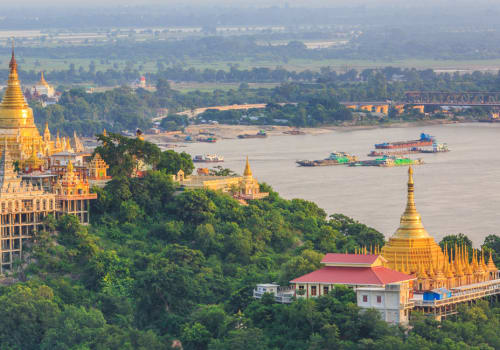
{"points": [[69, 167], [410, 175], [104, 132], [248, 171], [491, 265], [411, 226], [13, 62]]}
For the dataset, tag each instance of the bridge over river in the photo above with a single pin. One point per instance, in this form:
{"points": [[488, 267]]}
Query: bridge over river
{"points": [[443, 98]]}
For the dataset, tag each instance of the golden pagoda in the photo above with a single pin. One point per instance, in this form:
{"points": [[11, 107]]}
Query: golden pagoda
{"points": [[73, 194], [17, 125], [411, 241], [98, 168], [412, 245]]}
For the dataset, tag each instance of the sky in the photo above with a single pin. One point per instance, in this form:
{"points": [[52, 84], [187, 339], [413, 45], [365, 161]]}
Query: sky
{"points": [[233, 3]]}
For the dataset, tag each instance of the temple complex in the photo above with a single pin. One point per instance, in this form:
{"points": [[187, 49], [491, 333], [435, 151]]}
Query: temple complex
{"points": [[412, 250], [249, 188], [42, 88], [244, 187]]}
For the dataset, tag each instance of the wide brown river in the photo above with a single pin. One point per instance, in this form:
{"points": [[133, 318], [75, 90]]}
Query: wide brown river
{"points": [[455, 192]]}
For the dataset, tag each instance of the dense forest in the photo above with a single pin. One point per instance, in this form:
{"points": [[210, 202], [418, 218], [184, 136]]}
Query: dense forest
{"points": [[157, 267]]}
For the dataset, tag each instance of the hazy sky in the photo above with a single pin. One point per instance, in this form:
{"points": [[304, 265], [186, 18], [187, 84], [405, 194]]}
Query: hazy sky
{"points": [[234, 3]]}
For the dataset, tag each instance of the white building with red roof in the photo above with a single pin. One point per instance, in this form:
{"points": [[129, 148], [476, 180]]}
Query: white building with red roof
{"points": [[376, 286]]}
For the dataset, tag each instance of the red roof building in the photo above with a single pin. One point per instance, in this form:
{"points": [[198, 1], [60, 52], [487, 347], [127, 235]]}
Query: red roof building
{"points": [[376, 286], [354, 276]]}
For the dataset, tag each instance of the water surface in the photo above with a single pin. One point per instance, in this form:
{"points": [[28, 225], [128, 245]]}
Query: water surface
{"points": [[455, 192]]}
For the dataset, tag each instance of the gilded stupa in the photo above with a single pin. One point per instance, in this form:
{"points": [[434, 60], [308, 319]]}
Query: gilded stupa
{"points": [[412, 250], [17, 125], [411, 242]]}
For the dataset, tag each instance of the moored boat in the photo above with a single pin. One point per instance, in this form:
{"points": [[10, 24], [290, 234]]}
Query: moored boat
{"points": [[335, 158], [425, 140], [208, 158], [261, 134], [388, 161], [207, 139]]}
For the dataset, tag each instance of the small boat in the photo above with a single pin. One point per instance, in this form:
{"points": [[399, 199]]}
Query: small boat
{"points": [[335, 158], [208, 158], [436, 148], [207, 139], [261, 134], [294, 132]]}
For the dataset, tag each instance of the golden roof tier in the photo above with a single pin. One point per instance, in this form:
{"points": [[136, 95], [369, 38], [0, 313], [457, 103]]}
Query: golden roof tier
{"points": [[411, 243]]}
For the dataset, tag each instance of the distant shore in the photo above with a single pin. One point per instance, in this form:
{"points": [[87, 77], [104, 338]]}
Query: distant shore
{"points": [[225, 131]]}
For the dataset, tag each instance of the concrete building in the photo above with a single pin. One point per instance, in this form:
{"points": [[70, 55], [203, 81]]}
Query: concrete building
{"points": [[376, 286]]}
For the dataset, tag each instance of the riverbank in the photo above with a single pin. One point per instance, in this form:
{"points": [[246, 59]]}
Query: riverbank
{"points": [[223, 131]]}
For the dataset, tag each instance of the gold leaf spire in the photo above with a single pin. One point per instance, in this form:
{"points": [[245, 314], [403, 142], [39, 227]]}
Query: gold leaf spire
{"points": [[248, 171], [491, 264], [42, 80], [13, 97], [70, 167], [411, 222]]}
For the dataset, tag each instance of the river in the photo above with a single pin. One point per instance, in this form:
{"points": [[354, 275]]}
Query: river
{"points": [[455, 192]]}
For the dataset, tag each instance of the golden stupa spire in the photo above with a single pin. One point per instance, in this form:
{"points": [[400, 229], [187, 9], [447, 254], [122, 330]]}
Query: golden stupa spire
{"points": [[468, 266], [411, 222], [69, 167], [42, 79], [483, 261], [432, 273], [248, 172], [13, 97], [491, 265]]}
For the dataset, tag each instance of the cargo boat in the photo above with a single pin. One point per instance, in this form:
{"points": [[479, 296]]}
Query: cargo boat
{"points": [[335, 158], [388, 161], [294, 132], [425, 140], [208, 158], [207, 139], [436, 148], [260, 135]]}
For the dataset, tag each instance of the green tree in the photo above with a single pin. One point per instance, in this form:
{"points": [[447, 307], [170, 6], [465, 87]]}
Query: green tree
{"points": [[171, 162]]}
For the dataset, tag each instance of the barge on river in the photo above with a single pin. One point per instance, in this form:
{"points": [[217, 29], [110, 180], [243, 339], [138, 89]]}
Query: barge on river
{"points": [[436, 148], [335, 158], [425, 140], [208, 158], [388, 161], [260, 135]]}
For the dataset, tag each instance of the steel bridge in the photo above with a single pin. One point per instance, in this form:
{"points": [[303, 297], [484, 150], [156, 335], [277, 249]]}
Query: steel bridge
{"points": [[442, 98]]}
